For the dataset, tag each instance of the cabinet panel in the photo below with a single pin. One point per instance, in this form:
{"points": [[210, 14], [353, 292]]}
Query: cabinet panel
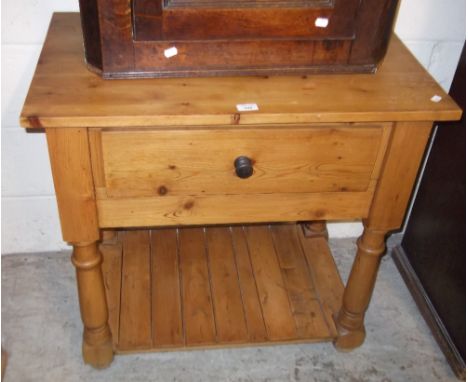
{"points": [[292, 36], [190, 20]]}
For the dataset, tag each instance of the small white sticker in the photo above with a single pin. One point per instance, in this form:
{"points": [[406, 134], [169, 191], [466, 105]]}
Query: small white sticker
{"points": [[436, 98], [170, 52], [321, 22], [247, 107]]}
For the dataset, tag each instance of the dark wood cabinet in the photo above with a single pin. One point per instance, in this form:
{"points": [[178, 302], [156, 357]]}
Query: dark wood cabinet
{"points": [[432, 255], [226, 37]]}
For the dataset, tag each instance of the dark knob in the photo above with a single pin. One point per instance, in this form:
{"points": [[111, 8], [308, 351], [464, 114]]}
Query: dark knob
{"points": [[243, 167]]}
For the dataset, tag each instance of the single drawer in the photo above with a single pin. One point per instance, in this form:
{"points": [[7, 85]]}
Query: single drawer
{"points": [[180, 168], [201, 162]]}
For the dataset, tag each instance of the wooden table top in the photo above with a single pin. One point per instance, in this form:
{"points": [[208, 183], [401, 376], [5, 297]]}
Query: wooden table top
{"points": [[64, 93]]}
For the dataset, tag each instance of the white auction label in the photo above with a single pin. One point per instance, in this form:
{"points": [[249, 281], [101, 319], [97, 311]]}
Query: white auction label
{"points": [[321, 22], [247, 107], [170, 52]]}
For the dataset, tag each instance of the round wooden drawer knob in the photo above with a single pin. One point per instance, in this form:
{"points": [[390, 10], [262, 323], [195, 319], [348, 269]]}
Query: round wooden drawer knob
{"points": [[244, 168]]}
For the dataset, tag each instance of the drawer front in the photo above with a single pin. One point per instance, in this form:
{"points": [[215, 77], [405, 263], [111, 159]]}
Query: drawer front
{"points": [[201, 162], [187, 176]]}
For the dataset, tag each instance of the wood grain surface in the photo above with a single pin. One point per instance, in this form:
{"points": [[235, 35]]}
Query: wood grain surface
{"points": [[116, 163], [230, 37], [112, 259], [165, 292], [135, 306], [201, 162], [401, 90], [213, 209], [403, 160], [73, 182], [219, 286]]}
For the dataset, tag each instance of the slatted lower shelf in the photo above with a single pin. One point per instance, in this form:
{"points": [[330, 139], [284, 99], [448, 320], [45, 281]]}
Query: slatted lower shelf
{"points": [[219, 286]]}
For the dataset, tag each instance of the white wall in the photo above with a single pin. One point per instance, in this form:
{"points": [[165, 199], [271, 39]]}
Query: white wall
{"points": [[433, 29]]}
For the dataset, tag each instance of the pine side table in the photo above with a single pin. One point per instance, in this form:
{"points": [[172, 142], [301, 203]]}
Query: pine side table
{"points": [[195, 204]]}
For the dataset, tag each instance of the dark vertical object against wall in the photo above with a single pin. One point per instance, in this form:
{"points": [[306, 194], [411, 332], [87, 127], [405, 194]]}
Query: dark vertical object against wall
{"points": [[432, 255]]}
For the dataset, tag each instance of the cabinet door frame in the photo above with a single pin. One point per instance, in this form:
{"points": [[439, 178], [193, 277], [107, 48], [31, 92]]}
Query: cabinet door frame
{"points": [[190, 20]]}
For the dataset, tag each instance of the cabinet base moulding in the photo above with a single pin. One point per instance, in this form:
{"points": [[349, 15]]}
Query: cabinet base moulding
{"points": [[220, 286]]}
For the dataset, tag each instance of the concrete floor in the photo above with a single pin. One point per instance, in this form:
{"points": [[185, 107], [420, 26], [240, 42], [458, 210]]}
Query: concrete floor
{"points": [[41, 330]]}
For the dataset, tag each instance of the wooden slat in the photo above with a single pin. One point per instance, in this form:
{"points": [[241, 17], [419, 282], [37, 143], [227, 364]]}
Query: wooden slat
{"points": [[112, 275], [305, 308], [327, 280], [227, 300], [196, 294], [273, 297], [135, 322], [166, 305], [252, 306]]}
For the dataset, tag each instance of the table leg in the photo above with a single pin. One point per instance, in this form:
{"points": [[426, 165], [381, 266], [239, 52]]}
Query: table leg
{"points": [[74, 187], [404, 153], [358, 291], [316, 228], [109, 236], [97, 340]]}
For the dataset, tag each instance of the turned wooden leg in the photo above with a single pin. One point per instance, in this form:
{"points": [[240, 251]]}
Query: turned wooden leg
{"points": [[350, 320], [109, 236], [404, 153], [316, 228], [70, 158], [97, 339]]}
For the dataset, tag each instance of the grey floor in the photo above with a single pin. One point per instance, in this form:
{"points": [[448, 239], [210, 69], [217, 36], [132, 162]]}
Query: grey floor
{"points": [[41, 330]]}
